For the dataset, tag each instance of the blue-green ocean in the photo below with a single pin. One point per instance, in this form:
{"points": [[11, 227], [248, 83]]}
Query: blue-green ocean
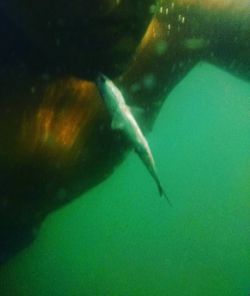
{"points": [[123, 239]]}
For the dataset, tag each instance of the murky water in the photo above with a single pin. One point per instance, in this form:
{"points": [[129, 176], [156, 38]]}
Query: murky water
{"points": [[122, 239]]}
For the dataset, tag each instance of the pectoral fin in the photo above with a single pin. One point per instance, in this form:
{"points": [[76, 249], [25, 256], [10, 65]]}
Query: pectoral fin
{"points": [[139, 115], [117, 123], [138, 112]]}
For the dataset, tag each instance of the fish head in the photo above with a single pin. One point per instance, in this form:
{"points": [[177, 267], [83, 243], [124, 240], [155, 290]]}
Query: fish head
{"points": [[101, 82], [101, 78], [110, 93], [106, 87]]}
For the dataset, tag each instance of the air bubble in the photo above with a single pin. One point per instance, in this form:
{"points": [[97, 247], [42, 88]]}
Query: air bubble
{"points": [[161, 47], [149, 81], [152, 9], [135, 87]]}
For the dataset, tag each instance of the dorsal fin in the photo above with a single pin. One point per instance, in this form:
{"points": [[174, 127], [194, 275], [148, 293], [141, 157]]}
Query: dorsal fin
{"points": [[117, 123]]}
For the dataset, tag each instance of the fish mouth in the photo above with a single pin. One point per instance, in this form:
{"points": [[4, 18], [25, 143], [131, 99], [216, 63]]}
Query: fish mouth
{"points": [[100, 79]]}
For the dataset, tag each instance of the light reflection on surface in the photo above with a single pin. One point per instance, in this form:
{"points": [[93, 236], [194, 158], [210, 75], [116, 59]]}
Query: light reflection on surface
{"points": [[64, 119], [216, 4], [155, 31]]}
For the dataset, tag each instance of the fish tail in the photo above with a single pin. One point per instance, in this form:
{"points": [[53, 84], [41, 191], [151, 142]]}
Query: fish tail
{"points": [[163, 193]]}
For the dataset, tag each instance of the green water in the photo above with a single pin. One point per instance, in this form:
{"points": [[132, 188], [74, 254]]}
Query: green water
{"points": [[122, 239]]}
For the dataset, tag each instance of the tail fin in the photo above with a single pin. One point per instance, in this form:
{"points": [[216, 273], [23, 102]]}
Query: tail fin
{"points": [[163, 193]]}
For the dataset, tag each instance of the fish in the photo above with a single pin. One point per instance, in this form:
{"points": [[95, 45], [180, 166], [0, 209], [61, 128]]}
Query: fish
{"points": [[124, 120]]}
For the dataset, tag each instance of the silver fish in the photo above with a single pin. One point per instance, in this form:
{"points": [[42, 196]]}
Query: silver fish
{"points": [[123, 119]]}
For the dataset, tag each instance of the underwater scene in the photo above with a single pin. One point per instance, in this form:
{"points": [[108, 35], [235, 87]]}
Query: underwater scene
{"points": [[121, 238], [125, 148]]}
